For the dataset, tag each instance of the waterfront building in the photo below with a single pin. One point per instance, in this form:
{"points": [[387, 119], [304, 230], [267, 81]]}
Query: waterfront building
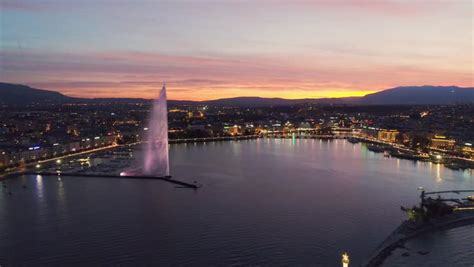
{"points": [[37, 152], [368, 132], [233, 130], [387, 135], [356, 132], [468, 149], [442, 142], [342, 132]]}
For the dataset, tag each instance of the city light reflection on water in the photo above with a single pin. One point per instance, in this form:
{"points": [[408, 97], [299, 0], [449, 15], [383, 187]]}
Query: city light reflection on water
{"points": [[467, 174], [39, 185], [61, 191], [293, 204], [438, 172]]}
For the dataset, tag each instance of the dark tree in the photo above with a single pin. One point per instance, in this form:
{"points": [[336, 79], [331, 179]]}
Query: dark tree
{"points": [[420, 142]]}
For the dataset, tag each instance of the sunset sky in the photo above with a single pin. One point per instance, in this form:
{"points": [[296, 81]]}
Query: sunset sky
{"points": [[217, 49]]}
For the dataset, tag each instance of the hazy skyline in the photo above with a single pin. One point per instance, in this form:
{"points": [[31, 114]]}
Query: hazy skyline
{"points": [[209, 50]]}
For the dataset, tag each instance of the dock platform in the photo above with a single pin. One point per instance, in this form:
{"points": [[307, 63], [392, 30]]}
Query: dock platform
{"points": [[166, 179]]}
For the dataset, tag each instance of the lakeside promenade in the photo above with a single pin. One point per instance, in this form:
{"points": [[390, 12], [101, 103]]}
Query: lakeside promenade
{"points": [[23, 167], [446, 158], [465, 162]]}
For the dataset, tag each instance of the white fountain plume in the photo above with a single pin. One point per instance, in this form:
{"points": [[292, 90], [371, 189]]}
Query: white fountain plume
{"points": [[156, 158]]}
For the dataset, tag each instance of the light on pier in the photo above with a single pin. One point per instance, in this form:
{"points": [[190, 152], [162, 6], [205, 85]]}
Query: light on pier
{"points": [[345, 260]]}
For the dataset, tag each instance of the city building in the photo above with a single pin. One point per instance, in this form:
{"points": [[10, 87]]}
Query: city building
{"points": [[387, 135], [343, 132], [235, 130], [468, 149], [442, 142]]}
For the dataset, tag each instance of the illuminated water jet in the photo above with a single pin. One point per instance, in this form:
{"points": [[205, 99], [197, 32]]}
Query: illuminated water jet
{"points": [[156, 157]]}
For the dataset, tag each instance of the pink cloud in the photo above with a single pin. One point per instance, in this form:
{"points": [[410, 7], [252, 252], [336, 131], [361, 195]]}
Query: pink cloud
{"points": [[385, 7]]}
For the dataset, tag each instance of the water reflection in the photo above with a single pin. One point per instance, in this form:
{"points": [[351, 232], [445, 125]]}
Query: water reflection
{"points": [[39, 185], [438, 173], [254, 194], [61, 192], [451, 247], [467, 174]]}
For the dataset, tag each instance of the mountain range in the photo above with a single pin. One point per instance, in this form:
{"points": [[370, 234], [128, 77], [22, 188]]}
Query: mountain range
{"points": [[16, 94]]}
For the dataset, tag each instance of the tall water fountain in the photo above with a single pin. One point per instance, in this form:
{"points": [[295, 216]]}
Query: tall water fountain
{"points": [[156, 155]]}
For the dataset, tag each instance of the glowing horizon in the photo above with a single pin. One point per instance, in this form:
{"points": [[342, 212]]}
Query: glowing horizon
{"points": [[214, 96], [211, 50]]}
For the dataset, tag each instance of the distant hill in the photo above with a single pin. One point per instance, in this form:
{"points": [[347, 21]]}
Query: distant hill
{"points": [[260, 101], [15, 94], [409, 95], [412, 95], [420, 95]]}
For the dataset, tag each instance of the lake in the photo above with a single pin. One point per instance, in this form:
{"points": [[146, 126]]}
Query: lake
{"points": [[263, 202]]}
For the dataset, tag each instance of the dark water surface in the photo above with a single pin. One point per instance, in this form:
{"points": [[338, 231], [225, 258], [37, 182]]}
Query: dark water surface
{"points": [[451, 247], [264, 202]]}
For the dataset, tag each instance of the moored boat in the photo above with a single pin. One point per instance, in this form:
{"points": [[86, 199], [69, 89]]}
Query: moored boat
{"points": [[375, 148], [452, 166], [353, 140]]}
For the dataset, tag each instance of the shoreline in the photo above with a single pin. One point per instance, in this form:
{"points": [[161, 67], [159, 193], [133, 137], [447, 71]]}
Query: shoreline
{"points": [[469, 164], [448, 161], [18, 170]]}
